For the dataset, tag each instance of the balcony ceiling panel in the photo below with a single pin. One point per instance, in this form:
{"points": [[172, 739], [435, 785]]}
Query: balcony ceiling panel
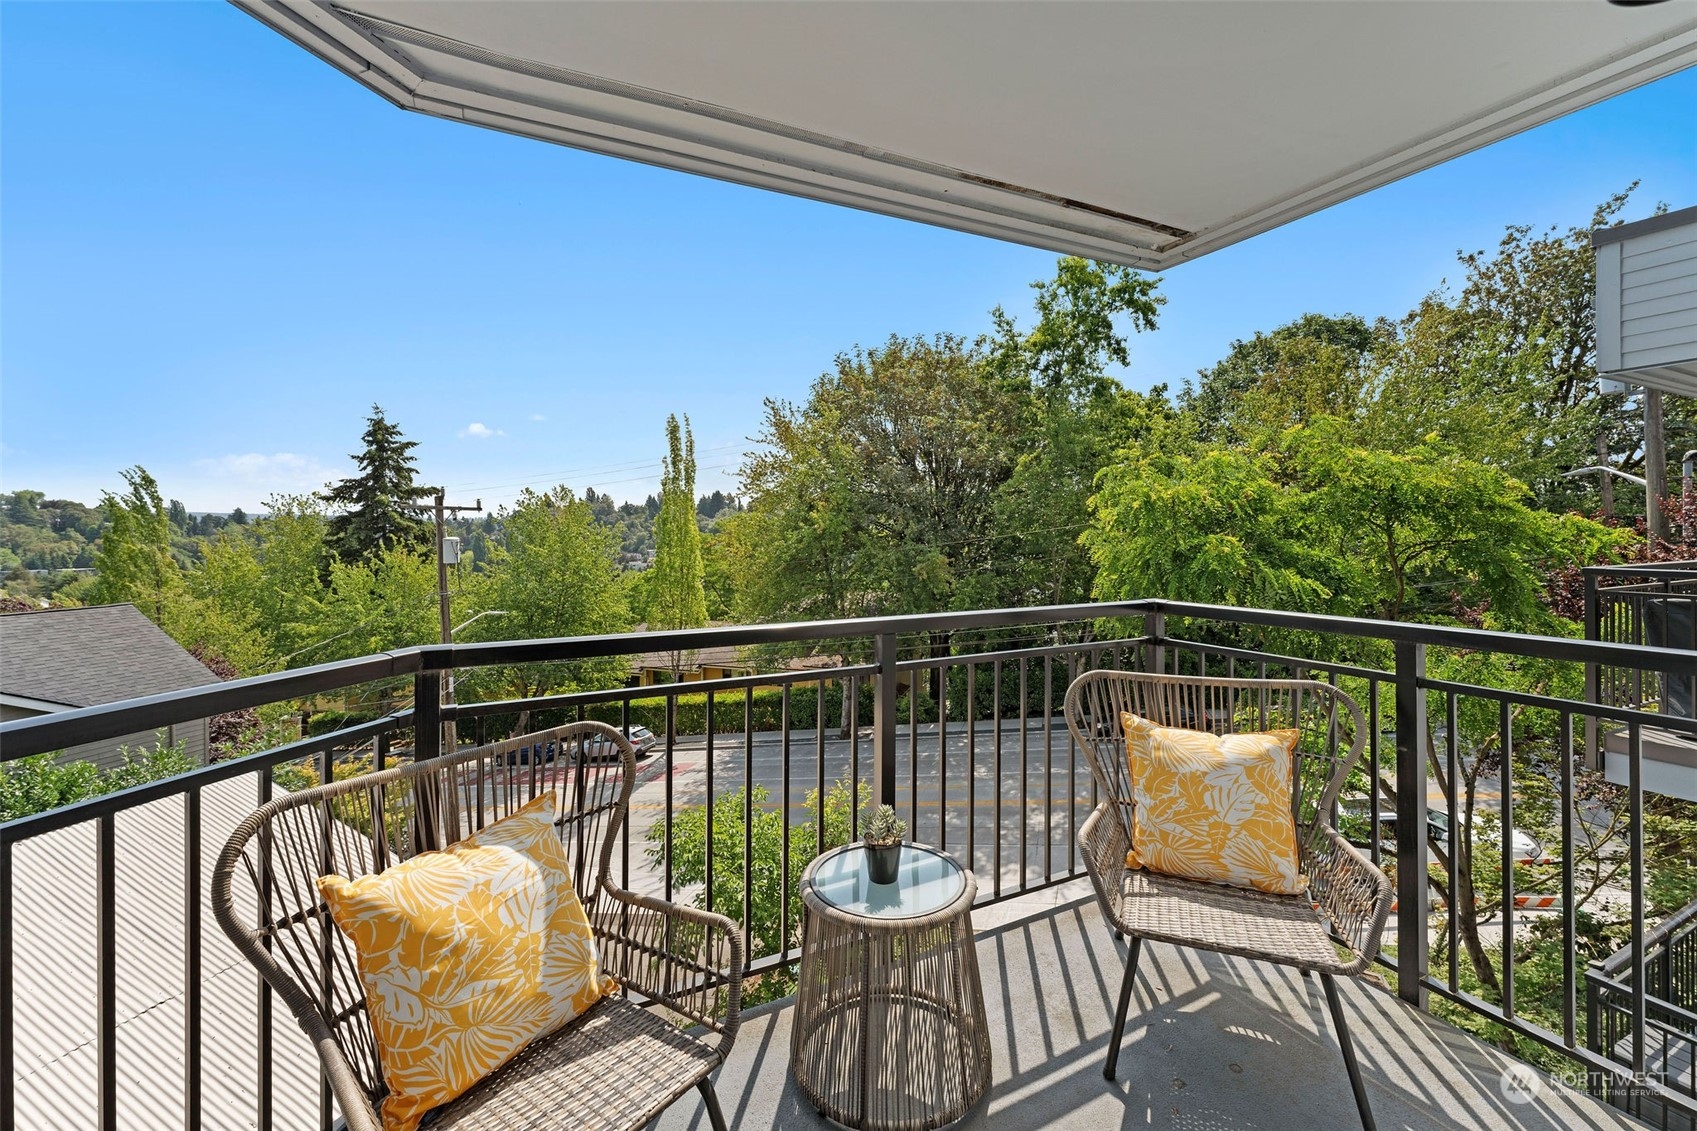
{"points": [[1145, 133]]}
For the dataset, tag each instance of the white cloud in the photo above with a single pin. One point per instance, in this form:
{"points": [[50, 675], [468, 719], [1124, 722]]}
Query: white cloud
{"points": [[257, 475], [537, 416], [479, 431], [241, 479]]}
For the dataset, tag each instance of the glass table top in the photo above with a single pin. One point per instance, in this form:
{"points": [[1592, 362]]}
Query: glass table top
{"points": [[926, 882]]}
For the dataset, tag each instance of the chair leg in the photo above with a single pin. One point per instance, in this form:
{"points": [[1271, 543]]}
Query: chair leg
{"points": [[715, 1117], [1125, 1004], [1354, 1069]]}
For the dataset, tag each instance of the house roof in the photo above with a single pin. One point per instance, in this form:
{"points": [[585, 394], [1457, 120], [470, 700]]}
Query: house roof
{"points": [[721, 656], [99, 654], [717, 656], [1143, 133]]}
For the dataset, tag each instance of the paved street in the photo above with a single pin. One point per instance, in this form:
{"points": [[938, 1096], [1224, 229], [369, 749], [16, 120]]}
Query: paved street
{"points": [[1057, 789], [1057, 792]]}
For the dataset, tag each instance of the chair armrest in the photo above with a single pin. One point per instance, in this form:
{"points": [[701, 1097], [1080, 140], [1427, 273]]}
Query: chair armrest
{"points": [[1103, 844], [1353, 895], [687, 959]]}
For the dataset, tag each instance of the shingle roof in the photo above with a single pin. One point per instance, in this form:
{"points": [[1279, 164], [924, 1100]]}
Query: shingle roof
{"points": [[81, 657]]}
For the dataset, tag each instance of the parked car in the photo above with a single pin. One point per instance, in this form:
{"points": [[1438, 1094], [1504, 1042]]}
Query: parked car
{"points": [[541, 753], [1353, 821], [600, 749], [644, 740]]}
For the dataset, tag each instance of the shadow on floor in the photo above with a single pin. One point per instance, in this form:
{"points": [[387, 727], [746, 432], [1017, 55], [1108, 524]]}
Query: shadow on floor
{"points": [[1212, 1043]]}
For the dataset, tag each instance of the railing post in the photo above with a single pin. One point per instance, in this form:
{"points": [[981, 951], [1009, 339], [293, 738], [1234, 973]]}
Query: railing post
{"points": [[884, 692], [426, 715], [1411, 886], [1593, 674], [1154, 652]]}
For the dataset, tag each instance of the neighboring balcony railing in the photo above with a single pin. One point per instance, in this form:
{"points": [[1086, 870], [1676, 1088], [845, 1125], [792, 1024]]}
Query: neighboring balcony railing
{"points": [[1652, 603], [1669, 1024], [109, 956]]}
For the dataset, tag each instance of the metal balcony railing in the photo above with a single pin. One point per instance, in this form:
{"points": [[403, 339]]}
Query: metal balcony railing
{"points": [[112, 978], [1669, 1022], [1652, 603]]}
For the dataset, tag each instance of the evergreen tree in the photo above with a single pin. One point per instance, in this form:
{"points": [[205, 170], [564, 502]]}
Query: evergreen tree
{"points": [[677, 598], [372, 504]]}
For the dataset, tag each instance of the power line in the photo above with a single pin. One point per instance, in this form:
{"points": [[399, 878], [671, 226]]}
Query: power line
{"points": [[575, 473], [631, 479]]}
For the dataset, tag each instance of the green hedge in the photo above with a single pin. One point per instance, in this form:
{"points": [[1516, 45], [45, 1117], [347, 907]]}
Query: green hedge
{"points": [[764, 708], [765, 705]]}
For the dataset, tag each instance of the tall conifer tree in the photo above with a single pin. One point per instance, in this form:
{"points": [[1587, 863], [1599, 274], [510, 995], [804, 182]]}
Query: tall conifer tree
{"points": [[677, 598], [371, 506]]}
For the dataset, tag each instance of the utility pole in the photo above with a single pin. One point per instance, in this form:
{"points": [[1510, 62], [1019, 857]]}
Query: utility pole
{"points": [[442, 508], [1605, 486], [1655, 468], [1688, 494]]}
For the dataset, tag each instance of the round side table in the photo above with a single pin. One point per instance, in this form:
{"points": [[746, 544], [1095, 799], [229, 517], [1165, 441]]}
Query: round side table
{"points": [[889, 1029]]}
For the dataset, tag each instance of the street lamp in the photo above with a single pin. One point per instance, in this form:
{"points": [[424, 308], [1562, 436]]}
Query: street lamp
{"points": [[1616, 472], [479, 616], [451, 730]]}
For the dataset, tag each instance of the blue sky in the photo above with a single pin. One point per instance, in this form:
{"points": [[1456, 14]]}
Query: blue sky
{"points": [[216, 253]]}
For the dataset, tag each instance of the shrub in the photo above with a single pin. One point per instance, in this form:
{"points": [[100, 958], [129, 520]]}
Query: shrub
{"points": [[769, 932], [43, 781]]}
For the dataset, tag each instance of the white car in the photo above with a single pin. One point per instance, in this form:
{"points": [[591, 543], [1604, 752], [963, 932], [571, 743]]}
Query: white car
{"points": [[1527, 848], [1352, 818]]}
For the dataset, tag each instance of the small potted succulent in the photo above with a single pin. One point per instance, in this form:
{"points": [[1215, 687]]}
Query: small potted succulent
{"points": [[882, 834]]}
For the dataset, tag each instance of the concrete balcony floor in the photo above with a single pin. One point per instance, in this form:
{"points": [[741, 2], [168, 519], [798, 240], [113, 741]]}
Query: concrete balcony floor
{"points": [[1212, 1042]]}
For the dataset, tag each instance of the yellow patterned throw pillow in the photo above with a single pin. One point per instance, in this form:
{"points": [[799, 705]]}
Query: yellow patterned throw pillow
{"points": [[467, 955], [1213, 807]]}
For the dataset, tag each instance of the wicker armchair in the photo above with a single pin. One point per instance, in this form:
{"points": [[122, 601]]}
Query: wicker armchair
{"points": [[617, 1066], [1334, 931]]}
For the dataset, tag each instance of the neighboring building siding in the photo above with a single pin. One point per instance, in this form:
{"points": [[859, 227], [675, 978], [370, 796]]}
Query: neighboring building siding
{"points": [[1647, 300], [108, 754], [1658, 297]]}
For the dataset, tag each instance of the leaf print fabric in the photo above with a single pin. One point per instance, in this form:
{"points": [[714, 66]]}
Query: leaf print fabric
{"points": [[1213, 807], [468, 955]]}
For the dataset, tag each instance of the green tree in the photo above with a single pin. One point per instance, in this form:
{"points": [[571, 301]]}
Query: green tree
{"points": [[718, 581], [1427, 531], [24, 508], [752, 821], [372, 512], [267, 580], [794, 552], [383, 601], [1073, 417], [1274, 380], [1529, 302], [134, 561], [879, 492], [676, 598], [1442, 377], [929, 474], [554, 573], [1212, 525], [1321, 524]]}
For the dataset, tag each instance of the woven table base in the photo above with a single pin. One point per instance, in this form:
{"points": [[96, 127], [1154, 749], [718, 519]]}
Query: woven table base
{"points": [[889, 1031]]}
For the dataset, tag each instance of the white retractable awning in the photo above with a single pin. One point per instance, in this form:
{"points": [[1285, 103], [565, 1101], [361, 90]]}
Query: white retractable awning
{"points": [[1144, 133]]}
